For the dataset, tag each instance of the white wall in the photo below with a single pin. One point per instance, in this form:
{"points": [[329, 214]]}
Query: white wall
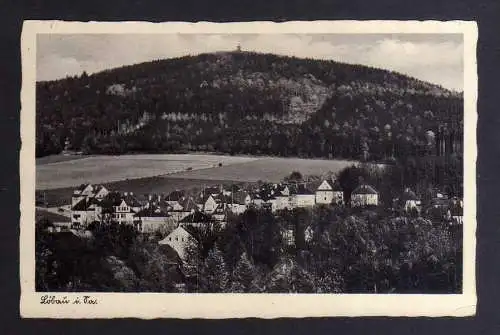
{"points": [[364, 200], [324, 197]]}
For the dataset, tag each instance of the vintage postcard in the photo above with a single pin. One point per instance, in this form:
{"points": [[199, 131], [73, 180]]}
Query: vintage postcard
{"points": [[259, 169]]}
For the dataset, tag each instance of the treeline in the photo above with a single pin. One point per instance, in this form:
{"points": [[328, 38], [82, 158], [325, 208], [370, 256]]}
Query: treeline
{"points": [[237, 102]]}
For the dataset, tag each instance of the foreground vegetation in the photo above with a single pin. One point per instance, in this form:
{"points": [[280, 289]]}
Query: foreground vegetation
{"points": [[361, 251]]}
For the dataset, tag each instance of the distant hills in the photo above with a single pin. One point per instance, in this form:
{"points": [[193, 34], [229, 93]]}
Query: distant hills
{"points": [[247, 103]]}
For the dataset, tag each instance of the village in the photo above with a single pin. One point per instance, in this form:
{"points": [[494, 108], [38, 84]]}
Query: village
{"points": [[173, 216]]}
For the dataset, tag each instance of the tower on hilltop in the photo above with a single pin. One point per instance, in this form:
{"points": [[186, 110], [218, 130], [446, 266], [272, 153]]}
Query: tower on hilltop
{"points": [[238, 47]]}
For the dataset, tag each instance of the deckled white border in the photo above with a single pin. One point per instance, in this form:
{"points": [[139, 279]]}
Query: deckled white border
{"points": [[156, 305]]}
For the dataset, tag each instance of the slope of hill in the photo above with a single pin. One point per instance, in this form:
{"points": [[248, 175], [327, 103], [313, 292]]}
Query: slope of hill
{"points": [[242, 102]]}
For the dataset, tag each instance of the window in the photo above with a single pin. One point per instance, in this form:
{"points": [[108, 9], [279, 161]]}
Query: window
{"points": [[177, 239], [170, 239]]}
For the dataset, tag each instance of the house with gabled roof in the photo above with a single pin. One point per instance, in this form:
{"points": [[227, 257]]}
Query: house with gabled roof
{"points": [[179, 240], [100, 192], [182, 209], [364, 195], [324, 193], [175, 197], [209, 203]]}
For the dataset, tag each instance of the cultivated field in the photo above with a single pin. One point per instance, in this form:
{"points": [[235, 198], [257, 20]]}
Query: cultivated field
{"points": [[144, 174], [105, 169], [271, 169]]}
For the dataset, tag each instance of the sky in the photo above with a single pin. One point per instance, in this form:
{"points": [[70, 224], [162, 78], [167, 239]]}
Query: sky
{"points": [[436, 58]]}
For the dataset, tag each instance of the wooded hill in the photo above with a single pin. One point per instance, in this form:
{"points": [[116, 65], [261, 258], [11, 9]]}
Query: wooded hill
{"points": [[251, 103]]}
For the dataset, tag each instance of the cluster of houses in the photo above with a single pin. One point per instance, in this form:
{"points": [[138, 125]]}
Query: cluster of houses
{"points": [[176, 213], [94, 203]]}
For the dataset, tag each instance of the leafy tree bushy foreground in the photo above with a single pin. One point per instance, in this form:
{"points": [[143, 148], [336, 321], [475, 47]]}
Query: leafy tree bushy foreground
{"points": [[352, 251]]}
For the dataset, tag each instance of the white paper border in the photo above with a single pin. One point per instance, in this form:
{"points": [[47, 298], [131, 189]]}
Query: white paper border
{"points": [[218, 306]]}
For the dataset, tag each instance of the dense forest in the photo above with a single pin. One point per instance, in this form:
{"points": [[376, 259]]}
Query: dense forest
{"points": [[351, 252], [248, 103]]}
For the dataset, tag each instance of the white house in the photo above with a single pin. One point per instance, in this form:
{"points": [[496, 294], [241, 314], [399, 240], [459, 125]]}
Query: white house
{"points": [[100, 192], [209, 204], [324, 193], [179, 240], [364, 195], [329, 193], [186, 207], [81, 216]]}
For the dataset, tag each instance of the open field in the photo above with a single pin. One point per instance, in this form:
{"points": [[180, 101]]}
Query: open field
{"points": [[271, 169], [105, 169], [58, 158], [144, 174]]}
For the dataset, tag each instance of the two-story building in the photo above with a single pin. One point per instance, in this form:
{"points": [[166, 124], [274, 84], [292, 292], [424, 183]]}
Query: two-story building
{"points": [[364, 195], [179, 240]]}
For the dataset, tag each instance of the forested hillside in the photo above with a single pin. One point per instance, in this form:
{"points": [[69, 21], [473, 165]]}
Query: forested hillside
{"points": [[242, 102]]}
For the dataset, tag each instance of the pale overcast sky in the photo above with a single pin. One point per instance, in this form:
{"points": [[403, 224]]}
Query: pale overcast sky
{"points": [[437, 58]]}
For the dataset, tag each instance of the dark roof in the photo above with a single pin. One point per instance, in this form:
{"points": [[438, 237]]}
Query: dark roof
{"points": [[239, 197], [302, 190], [211, 190], [112, 199], [188, 204], [175, 195], [81, 187], [197, 217], [131, 200], [223, 198], [151, 212], [408, 194], [364, 189], [81, 205]]}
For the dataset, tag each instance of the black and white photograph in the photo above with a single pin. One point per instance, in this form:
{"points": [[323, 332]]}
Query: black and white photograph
{"points": [[247, 163]]}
